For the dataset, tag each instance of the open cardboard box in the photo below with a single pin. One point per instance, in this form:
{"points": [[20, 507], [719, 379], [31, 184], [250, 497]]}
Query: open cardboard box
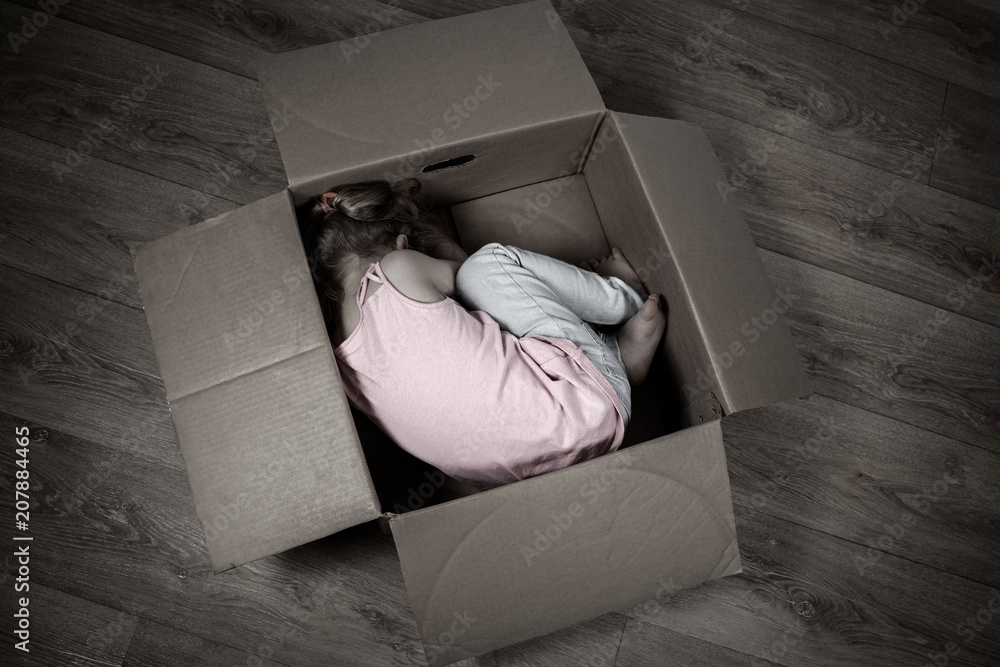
{"points": [[498, 116]]}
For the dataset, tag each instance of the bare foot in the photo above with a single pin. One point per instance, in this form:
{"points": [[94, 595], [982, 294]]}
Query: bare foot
{"points": [[615, 265], [640, 336]]}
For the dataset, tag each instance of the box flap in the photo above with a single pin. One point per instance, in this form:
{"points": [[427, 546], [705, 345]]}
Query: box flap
{"points": [[392, 103], [555, 217], [660, 192], [530, 558], [254, 391]]}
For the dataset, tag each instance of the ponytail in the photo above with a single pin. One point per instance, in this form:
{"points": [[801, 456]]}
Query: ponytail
{"points": [[361, 220]]}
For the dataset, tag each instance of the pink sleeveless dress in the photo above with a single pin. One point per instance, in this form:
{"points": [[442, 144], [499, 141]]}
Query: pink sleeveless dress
{"points": [[478, 403]]}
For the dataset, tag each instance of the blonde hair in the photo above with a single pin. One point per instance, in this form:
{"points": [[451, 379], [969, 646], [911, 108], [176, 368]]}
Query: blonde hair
{"points": [[363, 220]]}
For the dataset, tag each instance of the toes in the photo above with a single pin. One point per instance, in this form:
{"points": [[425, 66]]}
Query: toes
{"points": [[616, 253]]}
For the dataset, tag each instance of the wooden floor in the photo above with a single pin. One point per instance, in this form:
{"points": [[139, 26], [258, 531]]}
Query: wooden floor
{"points": [[863, 142]]}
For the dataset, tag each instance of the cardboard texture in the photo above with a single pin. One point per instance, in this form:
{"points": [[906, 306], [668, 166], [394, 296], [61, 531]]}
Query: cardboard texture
{"points": [[548, 552], [252, 384], [656, 192], [556, 218], [272, 451], [509, 89]]}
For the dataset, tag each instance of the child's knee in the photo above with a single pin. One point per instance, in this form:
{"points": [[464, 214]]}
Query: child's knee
{"points": [[489, 252], [479, 262]]}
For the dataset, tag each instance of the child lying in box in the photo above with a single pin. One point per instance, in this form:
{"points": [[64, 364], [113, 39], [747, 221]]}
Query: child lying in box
{"points": [[484, 366]]}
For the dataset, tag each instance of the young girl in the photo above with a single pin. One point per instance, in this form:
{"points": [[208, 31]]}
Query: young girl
{"points": [[484, 366]]}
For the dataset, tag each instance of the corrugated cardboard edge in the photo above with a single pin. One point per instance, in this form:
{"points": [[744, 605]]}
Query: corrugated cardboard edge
{"points": [[365, 505]]}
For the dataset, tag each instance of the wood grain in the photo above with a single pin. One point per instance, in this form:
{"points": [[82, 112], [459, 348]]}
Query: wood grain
{"points": [[757, 71], [82, 364], [800, 601], [892, 355], [648, 645], [956, 41], [968, 154], [850, 473], [842, 215], [78, 233], [154, 644], [593, 643], [231, 34], [339, 600], [65, 629], [93, 93]]}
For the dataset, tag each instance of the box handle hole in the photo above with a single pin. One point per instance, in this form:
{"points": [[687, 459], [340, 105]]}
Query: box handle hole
{"points": [[449, 164]]}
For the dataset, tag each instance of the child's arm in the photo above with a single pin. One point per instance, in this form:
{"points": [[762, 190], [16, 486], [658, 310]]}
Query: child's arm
{"points": [[445, 248], [449, 250]]}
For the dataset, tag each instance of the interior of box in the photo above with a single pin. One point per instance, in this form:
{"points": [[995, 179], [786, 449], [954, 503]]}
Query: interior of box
{"points": [[564, 225]]}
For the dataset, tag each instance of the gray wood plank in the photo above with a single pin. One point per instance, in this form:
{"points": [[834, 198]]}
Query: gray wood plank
{"points": [[154, 644], [842, 215], [120, 529], [79, 232], [893, 355], [757, 71], [593, 643], [93, 93], [231, 34], [870, 479], [955, 41], [65, 629], [799, 601], [648, 645], [80, 363], [968, 155]]}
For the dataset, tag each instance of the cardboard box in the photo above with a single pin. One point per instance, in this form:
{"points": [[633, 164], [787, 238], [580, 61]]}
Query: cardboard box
{"points": [[496, 113]]}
